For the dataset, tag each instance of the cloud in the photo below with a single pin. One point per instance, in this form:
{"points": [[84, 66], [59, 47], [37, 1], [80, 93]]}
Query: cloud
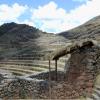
{"points": [[11, 13], [49, 11], [80, 0], [85, 12], [28, 22], [51, 18]]}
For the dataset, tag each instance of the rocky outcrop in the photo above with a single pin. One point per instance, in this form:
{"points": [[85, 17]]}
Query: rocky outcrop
{"points": [[90, 29]]}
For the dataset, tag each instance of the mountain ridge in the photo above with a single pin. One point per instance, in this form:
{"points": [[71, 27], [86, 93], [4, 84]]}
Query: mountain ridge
{"points": [[90, 29], [25, 39]]}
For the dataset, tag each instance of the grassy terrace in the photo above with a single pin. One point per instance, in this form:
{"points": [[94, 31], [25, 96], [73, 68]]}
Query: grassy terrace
{"points": [[23, 67], [36, 63], [33, 70], [33, 61]]}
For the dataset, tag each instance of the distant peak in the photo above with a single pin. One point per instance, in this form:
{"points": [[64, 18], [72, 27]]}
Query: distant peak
{"points": [[13, 23]]}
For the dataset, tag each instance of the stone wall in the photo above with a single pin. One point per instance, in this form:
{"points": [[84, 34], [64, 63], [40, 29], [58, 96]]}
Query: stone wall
{"points": [[27, 88], [84, 65], [45, 76]]}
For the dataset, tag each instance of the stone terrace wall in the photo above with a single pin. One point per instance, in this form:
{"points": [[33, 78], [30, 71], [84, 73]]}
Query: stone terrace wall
{"points": [[24, 89], [32, 87], [45, 76], [84, 65]]}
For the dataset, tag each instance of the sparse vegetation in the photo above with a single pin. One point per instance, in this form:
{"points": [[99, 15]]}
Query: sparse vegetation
{"points": [[24, 51], [90, 29]]}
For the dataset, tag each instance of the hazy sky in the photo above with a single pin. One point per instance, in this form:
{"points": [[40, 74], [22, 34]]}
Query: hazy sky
{"points": [[49, 15]]}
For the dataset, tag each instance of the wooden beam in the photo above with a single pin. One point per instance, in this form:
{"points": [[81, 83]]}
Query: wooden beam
{"points": [[49, 80], [56, 69], [49, 71]]}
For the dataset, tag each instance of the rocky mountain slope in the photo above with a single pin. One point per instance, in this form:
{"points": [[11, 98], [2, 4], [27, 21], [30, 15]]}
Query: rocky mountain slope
{"points": [[23, 40], [23, 51], [90, 29], [25, 47]]}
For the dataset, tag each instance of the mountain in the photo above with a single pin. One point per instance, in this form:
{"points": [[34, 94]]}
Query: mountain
{"points": [[22, 41], [18, 32], [90, 29]]}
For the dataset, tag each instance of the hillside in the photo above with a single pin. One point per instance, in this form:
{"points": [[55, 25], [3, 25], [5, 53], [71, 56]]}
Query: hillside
{"points": [[21, 39], [24, 65], [90, 29], [25, 47]]}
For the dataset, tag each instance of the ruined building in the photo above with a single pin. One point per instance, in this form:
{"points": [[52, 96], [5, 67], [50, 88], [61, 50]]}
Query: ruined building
{"points": [[83, 65]]}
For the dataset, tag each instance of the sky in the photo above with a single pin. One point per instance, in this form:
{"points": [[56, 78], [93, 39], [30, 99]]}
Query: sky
{"points": [[52, 16]]}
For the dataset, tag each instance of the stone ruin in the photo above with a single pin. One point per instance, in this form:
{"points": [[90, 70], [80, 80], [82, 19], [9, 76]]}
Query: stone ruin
{"points": [[83, 67], [77, 81], [80, 72]]}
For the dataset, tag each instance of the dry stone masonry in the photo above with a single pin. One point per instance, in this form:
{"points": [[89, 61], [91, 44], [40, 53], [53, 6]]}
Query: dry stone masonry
{"points": [[78, 81]]}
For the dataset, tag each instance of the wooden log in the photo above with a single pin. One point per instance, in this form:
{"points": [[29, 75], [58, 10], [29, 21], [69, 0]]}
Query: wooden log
{"points": [[49, 79], [56, 69]]}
